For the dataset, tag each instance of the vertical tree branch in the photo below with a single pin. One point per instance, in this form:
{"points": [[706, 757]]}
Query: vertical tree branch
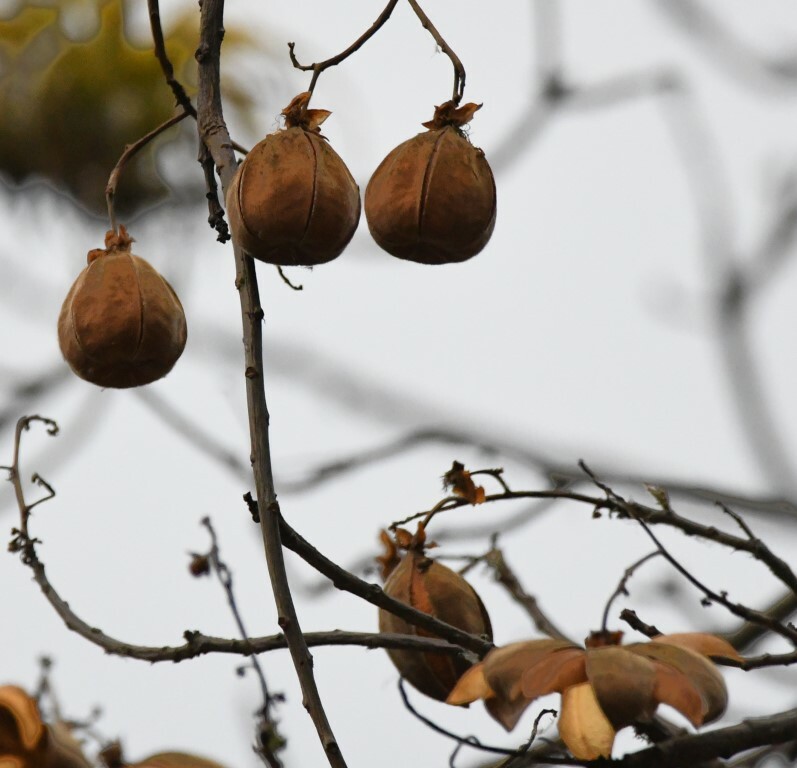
{"points": [[213, 132]]}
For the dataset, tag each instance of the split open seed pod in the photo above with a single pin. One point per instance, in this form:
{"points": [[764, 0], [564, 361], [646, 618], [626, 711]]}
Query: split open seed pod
{"points": [[121, 324], [27, 742], [604, 687], [428, 586], [292, 201], [432, 199]]}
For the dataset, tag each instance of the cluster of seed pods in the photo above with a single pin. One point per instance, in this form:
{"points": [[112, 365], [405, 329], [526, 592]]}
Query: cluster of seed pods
{"points": [[292, 202], [431, 200]]}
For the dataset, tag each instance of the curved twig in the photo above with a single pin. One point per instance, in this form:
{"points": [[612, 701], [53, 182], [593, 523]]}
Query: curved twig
{"points": [[459, 70], [130, 151], [621, 586], [318, 67]]}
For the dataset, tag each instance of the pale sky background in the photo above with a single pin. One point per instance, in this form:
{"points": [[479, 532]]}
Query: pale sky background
{"points": [[583, 331]]}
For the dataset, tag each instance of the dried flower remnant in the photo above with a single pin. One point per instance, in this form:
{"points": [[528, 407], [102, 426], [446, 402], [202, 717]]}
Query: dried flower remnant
{"points": [[432, 199], [293, 201], [121, 324], [459, 480], [604, 687], [429, 586]]}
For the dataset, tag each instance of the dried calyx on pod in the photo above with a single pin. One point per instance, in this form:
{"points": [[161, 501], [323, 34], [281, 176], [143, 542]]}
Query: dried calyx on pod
{"points": [[432, 199], [428, 586], [292, 200], [121, 324]]}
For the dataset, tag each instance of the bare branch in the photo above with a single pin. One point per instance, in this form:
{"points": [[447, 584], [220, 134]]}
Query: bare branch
{"points": [[130, 151], [320, 66], [374, 594], [269, 739], [459, 70], [505, 576], [213, 133], [622, 585]]}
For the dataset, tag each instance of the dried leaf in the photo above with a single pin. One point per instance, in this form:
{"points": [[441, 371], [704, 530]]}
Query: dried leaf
{"points": [[390, 558], [583, 725], [458, 479], [623, 682], [701, 642]]}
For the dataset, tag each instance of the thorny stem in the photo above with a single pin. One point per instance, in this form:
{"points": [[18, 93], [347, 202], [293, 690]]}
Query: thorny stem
{"points": [[459, 70], [318, 67], [129, 151], [213, 132]]}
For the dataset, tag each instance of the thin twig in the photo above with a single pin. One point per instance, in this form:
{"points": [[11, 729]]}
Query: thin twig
{"points": [[459, 70], [505, 576], [193, 433], [742, 611], [269, 740], [286, 280], [374, 594], [216, 218], [621, 588], [130, 151], [472, 741], [318, 67], [180, 96]]}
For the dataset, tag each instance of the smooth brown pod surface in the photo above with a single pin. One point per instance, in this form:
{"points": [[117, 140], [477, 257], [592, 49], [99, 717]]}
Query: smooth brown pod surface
{"points": [[432, 199], [293, 201], [432, 588], [121, 324]]}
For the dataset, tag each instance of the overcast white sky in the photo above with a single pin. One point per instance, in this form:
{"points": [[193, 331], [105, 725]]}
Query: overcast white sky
{"points": [[582, 330]]}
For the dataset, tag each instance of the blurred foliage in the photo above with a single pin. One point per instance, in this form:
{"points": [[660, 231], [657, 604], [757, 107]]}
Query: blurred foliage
{"points": [[74, 90]]}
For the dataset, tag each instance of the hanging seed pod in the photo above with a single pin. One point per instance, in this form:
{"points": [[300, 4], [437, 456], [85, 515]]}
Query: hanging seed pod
{"points": [[432, 199], [435, 589], [293, 201], [121, 324], [175, 760]]}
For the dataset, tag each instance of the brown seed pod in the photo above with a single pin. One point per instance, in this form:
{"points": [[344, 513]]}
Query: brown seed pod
{"points": [[293, 201], [432, 199], [175, 760], [121, 324], [432, 588]]}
